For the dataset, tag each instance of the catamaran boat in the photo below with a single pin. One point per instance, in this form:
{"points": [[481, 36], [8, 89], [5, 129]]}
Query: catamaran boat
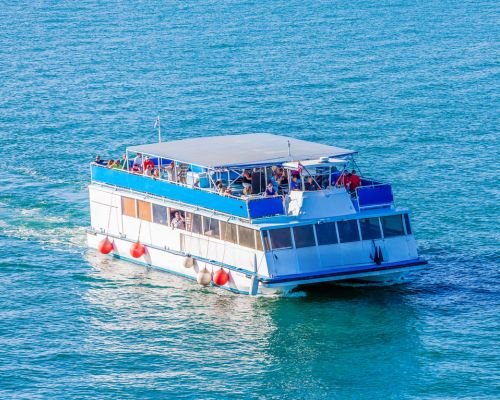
{"points": [[256, 214]]}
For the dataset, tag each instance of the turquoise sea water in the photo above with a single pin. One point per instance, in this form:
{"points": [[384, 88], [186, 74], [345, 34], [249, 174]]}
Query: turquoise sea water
{"points": [[413, 86]]}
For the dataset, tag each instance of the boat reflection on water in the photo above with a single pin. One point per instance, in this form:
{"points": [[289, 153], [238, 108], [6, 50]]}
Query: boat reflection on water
{"points": [[300, 343]]}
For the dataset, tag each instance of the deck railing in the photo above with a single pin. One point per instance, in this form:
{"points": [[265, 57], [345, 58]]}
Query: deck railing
{"points": [[247, 208]]}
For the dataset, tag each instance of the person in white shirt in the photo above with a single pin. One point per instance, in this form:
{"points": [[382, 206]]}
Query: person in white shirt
{"points": [[178, 221], [138, 161]]}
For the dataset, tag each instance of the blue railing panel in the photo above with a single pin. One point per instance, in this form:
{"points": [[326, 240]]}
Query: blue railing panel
{"points": [[266, 207], [145, 184], [371, 196]]}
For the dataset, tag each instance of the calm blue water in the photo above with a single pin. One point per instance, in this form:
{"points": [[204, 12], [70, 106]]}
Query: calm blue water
{"points": [[414, 86]]}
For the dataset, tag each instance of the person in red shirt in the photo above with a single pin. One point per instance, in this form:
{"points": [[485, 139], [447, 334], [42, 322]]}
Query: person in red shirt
{"points": [[354, 181], [148, 162]]}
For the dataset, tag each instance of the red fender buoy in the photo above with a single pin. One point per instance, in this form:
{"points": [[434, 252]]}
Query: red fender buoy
{"points": [[221, 277], [105, 246], [137, 250]]}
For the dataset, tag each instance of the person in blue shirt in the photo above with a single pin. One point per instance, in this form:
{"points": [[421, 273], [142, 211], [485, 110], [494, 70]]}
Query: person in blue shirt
{"points": [[270, 190], [293, 184]]}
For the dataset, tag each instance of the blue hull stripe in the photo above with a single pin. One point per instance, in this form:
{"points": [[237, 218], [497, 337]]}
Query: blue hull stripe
{"points": [[337, 272]]}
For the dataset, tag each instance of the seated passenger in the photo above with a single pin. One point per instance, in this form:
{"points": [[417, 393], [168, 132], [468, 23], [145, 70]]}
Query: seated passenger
{"points": [[156, 173], [99, 161], [148, 171], [117, 165], [138, 160], [178, 221], [247, 182], [124, 162], [270, 192], [310, 184], [148, 162], [294, 185], [228, 191], [354, 182], [110, 163], [335, 176]]}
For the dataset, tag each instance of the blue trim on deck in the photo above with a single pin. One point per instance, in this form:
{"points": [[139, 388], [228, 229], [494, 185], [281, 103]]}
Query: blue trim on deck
{"points": [[193, 196]]}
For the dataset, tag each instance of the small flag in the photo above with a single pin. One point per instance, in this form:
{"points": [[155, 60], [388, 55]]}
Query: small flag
{"points": [[157, 122]]}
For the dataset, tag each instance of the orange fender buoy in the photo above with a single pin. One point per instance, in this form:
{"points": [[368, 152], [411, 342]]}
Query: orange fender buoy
{"points": [[105, 246], [221, 277], [137, 250]]}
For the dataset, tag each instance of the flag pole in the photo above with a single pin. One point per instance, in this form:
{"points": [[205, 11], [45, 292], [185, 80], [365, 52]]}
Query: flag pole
{"points": [[158, 124]]}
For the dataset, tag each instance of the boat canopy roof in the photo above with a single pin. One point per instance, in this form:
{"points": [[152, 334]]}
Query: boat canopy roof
{"points": [[327, 162], [247, 150]]}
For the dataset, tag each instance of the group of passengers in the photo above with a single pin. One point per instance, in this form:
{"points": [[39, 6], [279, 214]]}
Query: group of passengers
{"points": [[350, 180], [223, 190], [276, 184]]}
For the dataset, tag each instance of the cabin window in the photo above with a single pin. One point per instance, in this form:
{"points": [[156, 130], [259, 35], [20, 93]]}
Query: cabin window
{"points": [[177, 219], [228, 232], [160, 214], [326, 233], [392, 226], [196, 224], [370, 228], [348, 231], [407, 223], [128, 207], [211, 227], [304, 236], [258, 241], [267, 243], [246, 237], [144, 210], [281, 238]]}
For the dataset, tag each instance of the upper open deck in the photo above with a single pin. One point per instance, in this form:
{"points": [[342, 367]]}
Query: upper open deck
{"points": [[248, 176]]}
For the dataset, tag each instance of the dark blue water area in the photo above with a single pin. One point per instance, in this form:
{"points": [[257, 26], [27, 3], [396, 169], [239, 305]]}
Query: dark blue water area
{"points": [[413, 86]]}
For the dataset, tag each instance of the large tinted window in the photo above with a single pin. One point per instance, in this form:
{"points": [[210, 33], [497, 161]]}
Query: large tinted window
{"points": [[228, 232], [160, 214], [348, 231], [392, 226], [326, 233], [267, 243], [211, 227], [246, 237], [304, 236], [196, 224], [370, 228], [281, 238], [407, 223], [258, 241]]}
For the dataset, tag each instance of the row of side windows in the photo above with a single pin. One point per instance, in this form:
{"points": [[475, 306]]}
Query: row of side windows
{"points": [[338, 232], [192, 222]]}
